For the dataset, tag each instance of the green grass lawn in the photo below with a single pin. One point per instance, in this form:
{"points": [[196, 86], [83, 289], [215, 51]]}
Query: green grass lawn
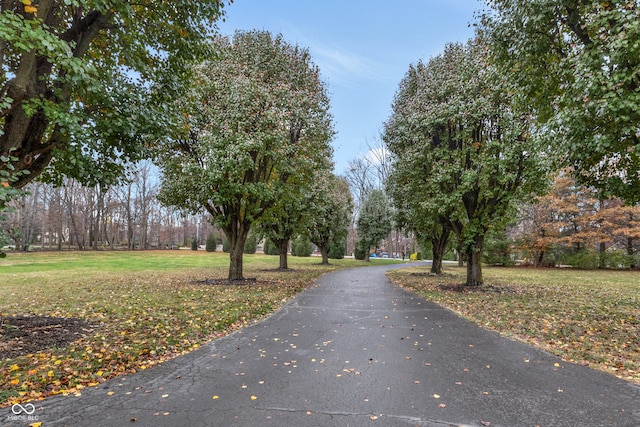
{"points": [[142, 308], [588, 317]]}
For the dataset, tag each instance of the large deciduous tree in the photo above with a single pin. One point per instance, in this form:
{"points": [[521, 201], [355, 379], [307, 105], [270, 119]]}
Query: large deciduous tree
{"points": [[329, 213], [256, 118], [576, 62], [572, 219], [462, 149], [75, 79], [374, 220]]}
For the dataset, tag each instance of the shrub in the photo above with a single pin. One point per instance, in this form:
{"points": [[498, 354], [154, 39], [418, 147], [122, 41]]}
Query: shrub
{"points": [[616, 259], [337, 249], [360, 251], [497, 252], [270, 248], [251, 244], [584, 259], [194, 245], [211, 243], [301, 246]]}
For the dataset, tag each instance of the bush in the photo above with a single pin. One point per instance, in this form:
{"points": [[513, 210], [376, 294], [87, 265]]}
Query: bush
{"points": [[616, 259], [584, 259], [360, 252], [337, 249], [194, 245], [301, 246], [497, 252], [251, 244], [211, 244], [270, 248], [225, 245]]}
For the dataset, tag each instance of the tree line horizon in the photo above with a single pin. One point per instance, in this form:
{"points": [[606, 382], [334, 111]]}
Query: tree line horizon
{"points": [[241, 126]]}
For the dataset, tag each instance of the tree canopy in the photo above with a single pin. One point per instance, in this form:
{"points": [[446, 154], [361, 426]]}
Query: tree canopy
{"points": [[576, 62], [75, 79], [255, 120], [463, 150], [374, 220], [329, 213]]}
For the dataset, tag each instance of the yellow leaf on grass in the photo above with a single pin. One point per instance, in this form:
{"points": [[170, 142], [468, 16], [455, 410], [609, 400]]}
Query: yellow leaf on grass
{"points": [[13, 368]]}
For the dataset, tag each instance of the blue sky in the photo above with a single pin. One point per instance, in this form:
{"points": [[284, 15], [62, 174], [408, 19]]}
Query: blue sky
{"points": [[363, 49]]}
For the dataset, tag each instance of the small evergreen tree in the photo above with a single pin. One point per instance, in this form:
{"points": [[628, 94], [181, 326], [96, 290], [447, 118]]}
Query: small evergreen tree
{"points": [[301, 246], [211, 243], [270, 248], [337, 248], [360, 251], [251, 244]]}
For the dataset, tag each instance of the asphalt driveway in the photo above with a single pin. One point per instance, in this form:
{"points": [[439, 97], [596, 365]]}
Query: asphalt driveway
{"points": [[354, 351]]}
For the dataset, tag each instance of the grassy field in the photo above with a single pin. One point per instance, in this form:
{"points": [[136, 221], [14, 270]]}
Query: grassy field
{"points": [[140, 308], [588, 317]]}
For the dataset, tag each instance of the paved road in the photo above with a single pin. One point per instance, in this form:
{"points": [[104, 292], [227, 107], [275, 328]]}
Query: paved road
{"points": [[356, 351]]}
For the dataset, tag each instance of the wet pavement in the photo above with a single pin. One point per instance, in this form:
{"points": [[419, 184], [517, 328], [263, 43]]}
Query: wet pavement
{"points": [[354, 351]]}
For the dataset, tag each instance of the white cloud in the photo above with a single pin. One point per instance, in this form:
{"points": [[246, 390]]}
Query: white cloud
{"points": [[346, 68]]}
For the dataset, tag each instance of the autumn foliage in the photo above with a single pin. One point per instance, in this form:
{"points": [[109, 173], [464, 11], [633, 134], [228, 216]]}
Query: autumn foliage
{"points": [[573, 225]]}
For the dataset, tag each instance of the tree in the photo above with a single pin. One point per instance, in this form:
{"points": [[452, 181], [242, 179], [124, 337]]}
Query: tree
{"points": [[75, 78], [576, 62], [405, 186], [573, 219], [464, 146], [330, 214], [301, 246], [211, 243], [255, 118], [374, 221], [289, 214]]}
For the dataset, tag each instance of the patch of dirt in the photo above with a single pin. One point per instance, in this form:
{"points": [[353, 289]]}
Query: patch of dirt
{"points": [[21, 335], [461, 287], [227, 282]]}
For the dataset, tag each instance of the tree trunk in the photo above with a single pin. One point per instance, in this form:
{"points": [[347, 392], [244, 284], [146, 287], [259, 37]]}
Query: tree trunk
{"points": [[324, 251], [439, 244], [237, 236], [283, 248], [474, 265], [235, 258], [602, 247]]}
